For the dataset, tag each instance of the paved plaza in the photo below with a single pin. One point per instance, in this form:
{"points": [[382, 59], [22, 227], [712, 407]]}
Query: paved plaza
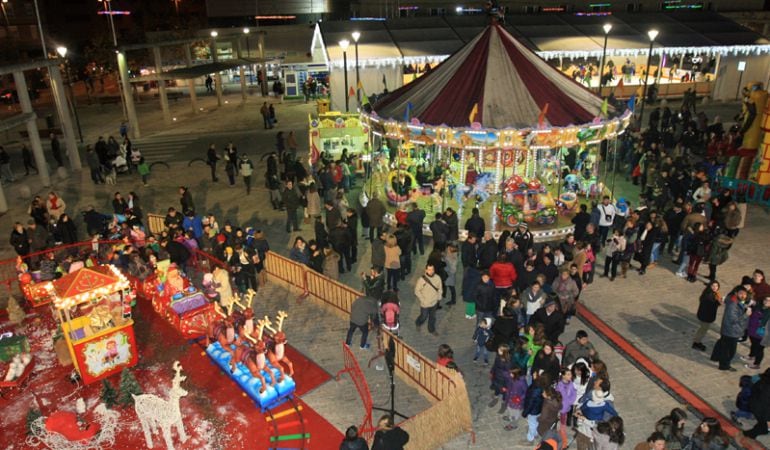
{"points": [[654, 312]]}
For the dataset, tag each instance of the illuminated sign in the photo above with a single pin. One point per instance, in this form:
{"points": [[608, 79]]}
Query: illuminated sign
{"points": [[114, 13]]}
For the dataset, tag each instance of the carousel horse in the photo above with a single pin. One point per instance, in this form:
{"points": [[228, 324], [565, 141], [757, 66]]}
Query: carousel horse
{"points": [[276, 349], [550, 172], [478, 189], [253, 356]]}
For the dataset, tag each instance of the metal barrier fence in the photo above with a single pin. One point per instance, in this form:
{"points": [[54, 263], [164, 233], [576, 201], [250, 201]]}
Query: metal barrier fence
{"points": [[366, 429], [423, 372], [753, 192], [331, 292], [286, 270]]}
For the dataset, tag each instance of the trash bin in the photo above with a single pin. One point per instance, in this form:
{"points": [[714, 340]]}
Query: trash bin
{"points": [[49, 122], [323, 105]]}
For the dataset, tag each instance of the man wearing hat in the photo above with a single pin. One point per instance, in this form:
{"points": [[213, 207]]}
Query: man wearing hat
{"points": [[523, 238], [551, 318]]}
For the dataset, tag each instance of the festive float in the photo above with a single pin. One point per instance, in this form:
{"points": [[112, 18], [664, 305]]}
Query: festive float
{"points": [[492, 111], [93, 305]]}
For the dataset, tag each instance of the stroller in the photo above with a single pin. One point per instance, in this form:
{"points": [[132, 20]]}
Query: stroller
{"points": [[120, 164]]}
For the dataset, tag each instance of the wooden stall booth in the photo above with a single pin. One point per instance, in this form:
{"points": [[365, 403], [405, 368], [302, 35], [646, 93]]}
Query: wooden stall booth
{"points": [[93, 305]]}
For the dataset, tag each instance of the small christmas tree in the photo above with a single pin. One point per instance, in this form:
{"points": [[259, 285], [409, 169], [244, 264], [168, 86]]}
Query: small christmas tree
{"points": [[128, 387], [108, 395], [15, 313], [32, 415]]}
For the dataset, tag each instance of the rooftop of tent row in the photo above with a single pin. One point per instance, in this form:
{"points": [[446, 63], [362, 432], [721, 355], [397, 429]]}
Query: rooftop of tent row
{"points": [[550, 35]]}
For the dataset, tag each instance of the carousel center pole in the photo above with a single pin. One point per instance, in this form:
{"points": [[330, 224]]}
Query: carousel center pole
{"points": [[614, 166]]}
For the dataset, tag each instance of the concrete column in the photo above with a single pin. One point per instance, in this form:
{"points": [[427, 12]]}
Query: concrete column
{"points": [[191, 81], [34, 133], [161, 85], [60, 98], [242, 72], [766, 29], [3, 202], [264, 64], [217, 76], [128, 98]]}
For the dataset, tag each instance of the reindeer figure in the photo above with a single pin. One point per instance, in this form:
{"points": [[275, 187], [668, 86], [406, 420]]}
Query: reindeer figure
{"points": [[276, 349], [254, 356], [155, 412], [222, 331]]}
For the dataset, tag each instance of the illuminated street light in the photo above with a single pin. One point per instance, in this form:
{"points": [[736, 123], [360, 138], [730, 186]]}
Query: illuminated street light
{"points": [[214, 34], [62, 51], [246, 30]]}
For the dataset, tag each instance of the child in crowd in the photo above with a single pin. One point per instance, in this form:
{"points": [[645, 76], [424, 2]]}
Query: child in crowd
{"points": [[588, 266], [501, 371], [480, 337], [515, 391], [742, 400]]}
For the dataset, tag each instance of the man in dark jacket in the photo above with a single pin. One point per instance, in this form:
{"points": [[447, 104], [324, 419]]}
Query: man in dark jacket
{"points": [[339, 237], [450, 217], [290, 199], [415, 220], [378, 250], [177, 253], [475, 224], [374, 283], [551, 318], [673, 218], [375, 209], [734, 322], [487, 252], [486, 298], [19, 239], [333, 216], [405, 240], [469, 252], [321, 236], [440, 231], [362, 312], [581, 219], [523, 238], [96, 222], [759, 405], [173, 220], [211, 160]]}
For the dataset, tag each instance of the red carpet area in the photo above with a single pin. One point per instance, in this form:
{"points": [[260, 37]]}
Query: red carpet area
{"points": [[217, 414]]}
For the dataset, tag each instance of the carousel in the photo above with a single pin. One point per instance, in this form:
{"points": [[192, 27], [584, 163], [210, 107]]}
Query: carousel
{"points": [[494, 127], [93, 305]]}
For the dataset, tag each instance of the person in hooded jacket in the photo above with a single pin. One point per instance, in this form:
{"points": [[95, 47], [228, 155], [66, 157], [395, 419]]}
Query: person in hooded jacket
{"points": [[709, 302], [353, 441]]}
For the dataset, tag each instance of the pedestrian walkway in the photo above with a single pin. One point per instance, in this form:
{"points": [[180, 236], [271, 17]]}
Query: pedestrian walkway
{"points": [[165, 148]]}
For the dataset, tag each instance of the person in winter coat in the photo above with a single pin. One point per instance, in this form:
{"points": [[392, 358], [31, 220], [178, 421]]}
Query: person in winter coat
{"points": [[567, 291], [709, 436], [55, 206], [378, 250], [450, 266], [758, 327], [20, 240], [389, 436], [759, 404], [185, 199], [672, 427], [580, 348], [718, 254], [353, 441], [486, 298], [613, 253], [734, 321], [503, 275], [533, 405], [339, 238], [709, 303], [500, 375], [733, 220], [534, 298], [549, 414], [299, 252], [565, 387], [376, 211], [546, 363], [504, 329], [450, 217], [393, 262], [66, 230], [313, 202], [551, 318], [609, 435], [698, 249], [427, 290], [316, 257], [291, 201], [515, 391]]}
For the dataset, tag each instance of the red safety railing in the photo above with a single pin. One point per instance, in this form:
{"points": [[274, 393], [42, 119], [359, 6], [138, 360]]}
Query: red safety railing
{"points": [[366, 429]]}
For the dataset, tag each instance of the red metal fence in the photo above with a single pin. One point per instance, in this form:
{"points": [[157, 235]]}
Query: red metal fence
{"points": [[366, 429]]}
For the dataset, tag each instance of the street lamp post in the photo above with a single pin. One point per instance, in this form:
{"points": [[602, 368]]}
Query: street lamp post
{"points": [[344, 46], [607, 28], [246, 31], [356, 36], [652, 34], [62, 51]]}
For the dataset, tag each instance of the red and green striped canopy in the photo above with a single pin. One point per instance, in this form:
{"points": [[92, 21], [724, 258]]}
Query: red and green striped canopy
{"points": [[510, 84]]}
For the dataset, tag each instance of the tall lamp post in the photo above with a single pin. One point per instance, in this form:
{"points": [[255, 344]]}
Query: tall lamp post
{"points": [[246, 32], [344, 46], [62, 51], [607, 28], [652, 34], [356, 36]]}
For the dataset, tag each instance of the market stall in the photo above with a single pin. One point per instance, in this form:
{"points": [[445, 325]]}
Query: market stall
{"points": [[93, 306], [333, 132]]}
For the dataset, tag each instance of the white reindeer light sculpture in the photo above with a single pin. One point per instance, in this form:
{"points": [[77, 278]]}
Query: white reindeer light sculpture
{"points": [[156, 413]]}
